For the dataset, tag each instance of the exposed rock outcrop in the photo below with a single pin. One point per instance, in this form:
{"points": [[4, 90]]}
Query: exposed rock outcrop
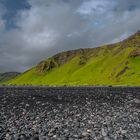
{"points": [[47, 65], [135, 53]]}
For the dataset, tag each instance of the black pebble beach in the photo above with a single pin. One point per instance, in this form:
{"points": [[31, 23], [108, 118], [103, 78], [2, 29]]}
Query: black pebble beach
{"points": [[69, 113]]}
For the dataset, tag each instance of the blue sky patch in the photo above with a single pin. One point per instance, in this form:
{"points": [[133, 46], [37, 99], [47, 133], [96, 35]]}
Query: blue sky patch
{"points": [[12, 7]]}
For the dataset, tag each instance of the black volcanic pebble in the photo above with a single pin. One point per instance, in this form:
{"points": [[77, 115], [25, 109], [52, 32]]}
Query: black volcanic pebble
{"points": [[35, 138], [70, 113], [22, 137]]}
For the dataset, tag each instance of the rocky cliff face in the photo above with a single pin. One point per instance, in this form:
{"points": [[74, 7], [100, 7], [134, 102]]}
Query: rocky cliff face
{"points": [[62, 58], [135, 53]]}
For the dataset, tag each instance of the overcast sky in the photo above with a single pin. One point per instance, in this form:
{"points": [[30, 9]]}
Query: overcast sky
{"points": [[32, 30]]}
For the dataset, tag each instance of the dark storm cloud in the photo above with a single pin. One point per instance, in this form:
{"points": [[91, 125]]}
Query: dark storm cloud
{"points": [[48, 27]]}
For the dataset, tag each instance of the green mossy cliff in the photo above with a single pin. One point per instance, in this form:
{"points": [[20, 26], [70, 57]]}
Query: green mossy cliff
{"points": [[8, 76], [115, 64]]}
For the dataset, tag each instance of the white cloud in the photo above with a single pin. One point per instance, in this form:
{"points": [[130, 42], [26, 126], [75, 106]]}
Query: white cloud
{"points": [[96, 6], [52, 26]]}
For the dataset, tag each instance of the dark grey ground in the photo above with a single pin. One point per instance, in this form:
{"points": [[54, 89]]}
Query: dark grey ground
{"points": [[70, 113]]}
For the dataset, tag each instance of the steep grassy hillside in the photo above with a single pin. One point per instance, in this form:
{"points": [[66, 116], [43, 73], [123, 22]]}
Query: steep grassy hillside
{"points": [[117, 64], [8, 76]]}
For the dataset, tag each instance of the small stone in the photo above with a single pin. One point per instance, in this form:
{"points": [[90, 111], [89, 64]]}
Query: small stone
{"points": [[123, 131], [106, 138], [27, 105], [1, 129], [85, 134], [7, 137], [35, 138], [75, 136], [89, 131], [22, 137], [104, 134], [54, 136]]}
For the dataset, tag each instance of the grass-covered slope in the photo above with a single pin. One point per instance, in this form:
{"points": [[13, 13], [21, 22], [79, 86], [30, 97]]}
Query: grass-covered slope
{"points": [[8, 76], [117, 64]]}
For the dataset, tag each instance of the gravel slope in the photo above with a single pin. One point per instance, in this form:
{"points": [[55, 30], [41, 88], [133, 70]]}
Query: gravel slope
{"points": [[88, 113]]}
